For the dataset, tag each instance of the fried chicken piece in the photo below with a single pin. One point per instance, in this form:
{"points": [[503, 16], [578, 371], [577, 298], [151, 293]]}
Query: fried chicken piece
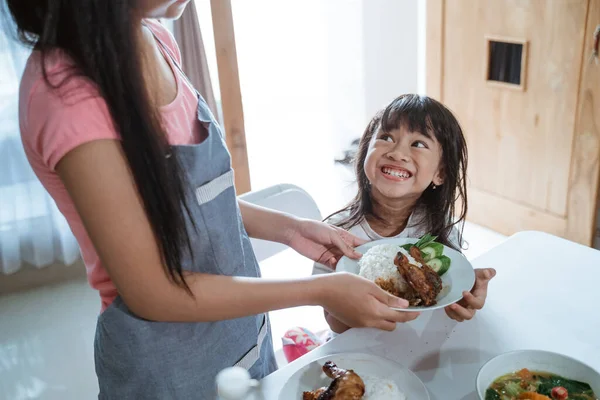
{"points": [[431, 275], [411, 296], [433, 278], [416, 254], [422, 280], [346, 385], [314, 395]]}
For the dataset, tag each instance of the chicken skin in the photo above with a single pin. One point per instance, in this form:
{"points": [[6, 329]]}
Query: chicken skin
{"points": [[346, 385], [424, 281]]}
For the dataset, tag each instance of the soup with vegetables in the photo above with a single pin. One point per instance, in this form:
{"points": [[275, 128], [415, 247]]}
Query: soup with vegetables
{"points": [[526, 384]]}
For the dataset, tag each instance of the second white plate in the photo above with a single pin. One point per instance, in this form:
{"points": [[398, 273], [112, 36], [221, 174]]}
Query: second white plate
{"points": [[311, 376]]}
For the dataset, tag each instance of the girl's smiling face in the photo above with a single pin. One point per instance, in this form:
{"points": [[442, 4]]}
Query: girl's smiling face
{"points": [[401, 164]]}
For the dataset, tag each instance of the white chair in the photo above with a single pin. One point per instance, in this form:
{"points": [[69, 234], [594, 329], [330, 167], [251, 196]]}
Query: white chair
{"points": [[296, 201], [286, 198]]}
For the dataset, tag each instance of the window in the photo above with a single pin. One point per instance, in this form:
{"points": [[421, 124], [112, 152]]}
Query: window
{"points": [[506, 60]]}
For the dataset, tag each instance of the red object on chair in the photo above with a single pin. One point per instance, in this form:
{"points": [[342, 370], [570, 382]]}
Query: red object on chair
{"points": [[299, 341]]}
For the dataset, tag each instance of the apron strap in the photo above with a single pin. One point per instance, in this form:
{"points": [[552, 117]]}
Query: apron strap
{"points": [[172, 57]]}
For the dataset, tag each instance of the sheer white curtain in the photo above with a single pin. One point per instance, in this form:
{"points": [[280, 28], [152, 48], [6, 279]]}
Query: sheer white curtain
{"points": [[32, 230]]}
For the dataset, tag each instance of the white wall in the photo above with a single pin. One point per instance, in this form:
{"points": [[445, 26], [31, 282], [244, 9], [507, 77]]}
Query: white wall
{"points": [[313, 72], [390, 42]]}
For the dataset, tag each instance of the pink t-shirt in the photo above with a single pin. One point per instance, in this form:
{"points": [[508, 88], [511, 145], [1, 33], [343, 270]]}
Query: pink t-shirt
{"points": [[53, 123]]}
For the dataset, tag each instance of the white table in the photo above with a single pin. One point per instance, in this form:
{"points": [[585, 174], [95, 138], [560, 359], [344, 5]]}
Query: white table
{"points": [[545, 296]]}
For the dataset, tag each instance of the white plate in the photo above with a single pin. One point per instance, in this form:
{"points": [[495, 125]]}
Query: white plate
{"points": [[311, 376], [536, 360], [459, 278]]}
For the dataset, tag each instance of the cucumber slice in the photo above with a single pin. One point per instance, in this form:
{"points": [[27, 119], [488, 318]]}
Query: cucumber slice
{"points": [[438, 247], [429, 253], [446, 261], [435, 264], [440, 264]]}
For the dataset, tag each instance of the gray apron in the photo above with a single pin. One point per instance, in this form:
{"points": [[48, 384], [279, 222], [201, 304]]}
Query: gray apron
{"points": [[141, 359]]}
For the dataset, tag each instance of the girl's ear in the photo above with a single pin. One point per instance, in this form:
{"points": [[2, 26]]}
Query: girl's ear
{"points": [[438, 178]]}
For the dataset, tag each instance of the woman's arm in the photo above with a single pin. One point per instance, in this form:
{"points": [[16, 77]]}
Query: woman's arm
{"points": [[102, 188], [267, 224], [99, 182], [316, 240]]}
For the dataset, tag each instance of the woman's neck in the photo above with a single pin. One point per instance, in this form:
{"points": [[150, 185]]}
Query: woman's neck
{"points": [[389, 217]]}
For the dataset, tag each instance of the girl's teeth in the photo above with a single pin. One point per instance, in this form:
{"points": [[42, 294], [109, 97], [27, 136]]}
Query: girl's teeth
{"points": [[393, 172]]}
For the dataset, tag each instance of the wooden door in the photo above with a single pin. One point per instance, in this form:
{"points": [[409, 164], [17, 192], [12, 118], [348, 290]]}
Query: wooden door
{"points": [[517, 75]]}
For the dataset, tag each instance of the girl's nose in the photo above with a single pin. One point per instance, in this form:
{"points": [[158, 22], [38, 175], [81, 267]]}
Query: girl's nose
{"points": [[399, 153]]}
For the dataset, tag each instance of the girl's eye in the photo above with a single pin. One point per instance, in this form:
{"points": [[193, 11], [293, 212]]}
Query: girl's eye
{"points": [[420, 144], [386, 137]]}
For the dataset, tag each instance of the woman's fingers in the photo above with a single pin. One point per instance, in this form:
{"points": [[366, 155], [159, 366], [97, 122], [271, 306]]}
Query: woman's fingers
{"points": [[403, 316], [389, 300], [344, 247], [353, 241], [385, 325], [389, 318], [358, 302]]}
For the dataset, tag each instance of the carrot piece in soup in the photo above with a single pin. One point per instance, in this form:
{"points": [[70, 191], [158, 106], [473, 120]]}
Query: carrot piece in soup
{"points": [[525, 374], [533, 396]]}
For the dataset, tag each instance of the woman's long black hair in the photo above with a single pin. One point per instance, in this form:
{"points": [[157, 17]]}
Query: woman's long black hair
{"points": [[101, 37], [442, 208]]}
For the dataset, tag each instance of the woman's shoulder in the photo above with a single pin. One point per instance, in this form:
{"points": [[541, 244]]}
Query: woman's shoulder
{"points": [[165, 36], [63, 111], [62, 85]]}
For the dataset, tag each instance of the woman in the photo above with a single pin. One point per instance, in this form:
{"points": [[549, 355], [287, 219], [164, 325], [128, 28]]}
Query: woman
{"points": [[138, 166]]}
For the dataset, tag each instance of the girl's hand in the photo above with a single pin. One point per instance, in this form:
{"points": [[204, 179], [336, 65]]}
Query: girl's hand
{"points": [[357, 302], [322, 242], [473, 300]]}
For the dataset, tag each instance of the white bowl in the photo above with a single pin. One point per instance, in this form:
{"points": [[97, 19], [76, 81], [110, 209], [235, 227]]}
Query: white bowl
{"points": [[536, 360]]}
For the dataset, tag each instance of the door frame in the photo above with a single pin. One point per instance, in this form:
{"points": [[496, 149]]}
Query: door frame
{"points": [[231, 94]]}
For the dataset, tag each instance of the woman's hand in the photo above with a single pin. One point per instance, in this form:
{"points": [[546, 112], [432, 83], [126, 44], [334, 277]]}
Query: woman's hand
{"points": [[322, 242], [473, 300], [319, 241], [357, 302]]}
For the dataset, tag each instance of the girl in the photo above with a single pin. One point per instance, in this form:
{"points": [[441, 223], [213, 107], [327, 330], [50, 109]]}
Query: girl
{"points": [[411, 172], [137, 164]]}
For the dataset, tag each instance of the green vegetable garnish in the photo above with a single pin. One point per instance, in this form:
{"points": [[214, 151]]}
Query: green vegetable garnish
{"points": [[432, 253]]}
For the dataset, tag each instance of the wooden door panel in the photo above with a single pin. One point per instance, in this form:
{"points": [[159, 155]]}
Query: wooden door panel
{"points": [[520, 142], [534, 149]]}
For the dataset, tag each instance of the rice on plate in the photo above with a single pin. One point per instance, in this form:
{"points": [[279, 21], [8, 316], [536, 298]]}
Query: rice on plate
{"points": [[377, 265], [381, 389]]}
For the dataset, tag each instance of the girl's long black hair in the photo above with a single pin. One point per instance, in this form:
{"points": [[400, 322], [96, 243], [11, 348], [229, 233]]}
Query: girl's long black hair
{"points": [[446, 206], [101, 37]]}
